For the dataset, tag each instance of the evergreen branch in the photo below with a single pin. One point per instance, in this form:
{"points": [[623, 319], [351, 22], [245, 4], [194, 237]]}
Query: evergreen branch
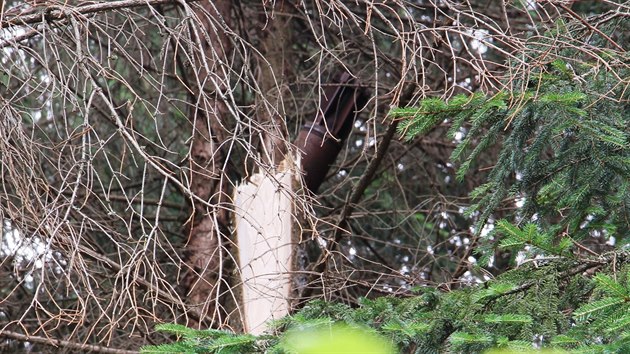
{"points": [[507, 318], [619, 323], [173, 328], [232, 344], [467, 338], [171, 348], [610, 286], [590, 27], [564, 339], [595, 307], [582, 267]]}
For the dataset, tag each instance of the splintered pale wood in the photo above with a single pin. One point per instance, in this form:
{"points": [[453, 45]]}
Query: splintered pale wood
{"points": [[264, 214]]}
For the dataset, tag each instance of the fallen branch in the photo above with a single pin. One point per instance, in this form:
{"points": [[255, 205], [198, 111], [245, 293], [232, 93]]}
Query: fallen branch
{"points": [[63, 343]]}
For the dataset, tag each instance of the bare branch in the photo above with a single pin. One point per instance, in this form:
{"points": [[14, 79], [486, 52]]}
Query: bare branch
{"points": [[63, 343]]}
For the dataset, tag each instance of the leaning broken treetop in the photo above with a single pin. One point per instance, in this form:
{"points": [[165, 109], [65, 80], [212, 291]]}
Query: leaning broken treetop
{"points": [[321, 141]]}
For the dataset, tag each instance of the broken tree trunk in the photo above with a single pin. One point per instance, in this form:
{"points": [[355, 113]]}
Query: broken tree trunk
{"points": [[266, 237], [265, 204], [266, 215]]}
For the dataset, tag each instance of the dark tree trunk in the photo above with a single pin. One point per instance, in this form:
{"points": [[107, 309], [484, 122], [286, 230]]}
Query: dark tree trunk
{"points": [[208, 225]]}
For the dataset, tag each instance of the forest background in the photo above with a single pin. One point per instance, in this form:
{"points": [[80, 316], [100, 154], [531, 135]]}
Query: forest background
{"points": [[481, 199]]}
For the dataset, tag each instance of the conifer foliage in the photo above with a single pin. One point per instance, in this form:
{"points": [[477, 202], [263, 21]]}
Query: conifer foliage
{"points": [[567, 132], [553, 305]]}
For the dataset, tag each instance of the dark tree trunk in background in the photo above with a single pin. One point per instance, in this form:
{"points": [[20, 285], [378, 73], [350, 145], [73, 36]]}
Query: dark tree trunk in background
{"points": [[274, 78], [208, 225]]}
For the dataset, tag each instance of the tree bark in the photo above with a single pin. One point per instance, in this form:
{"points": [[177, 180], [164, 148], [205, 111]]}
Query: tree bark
{"points": [[273, 78], [208, 224]]}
